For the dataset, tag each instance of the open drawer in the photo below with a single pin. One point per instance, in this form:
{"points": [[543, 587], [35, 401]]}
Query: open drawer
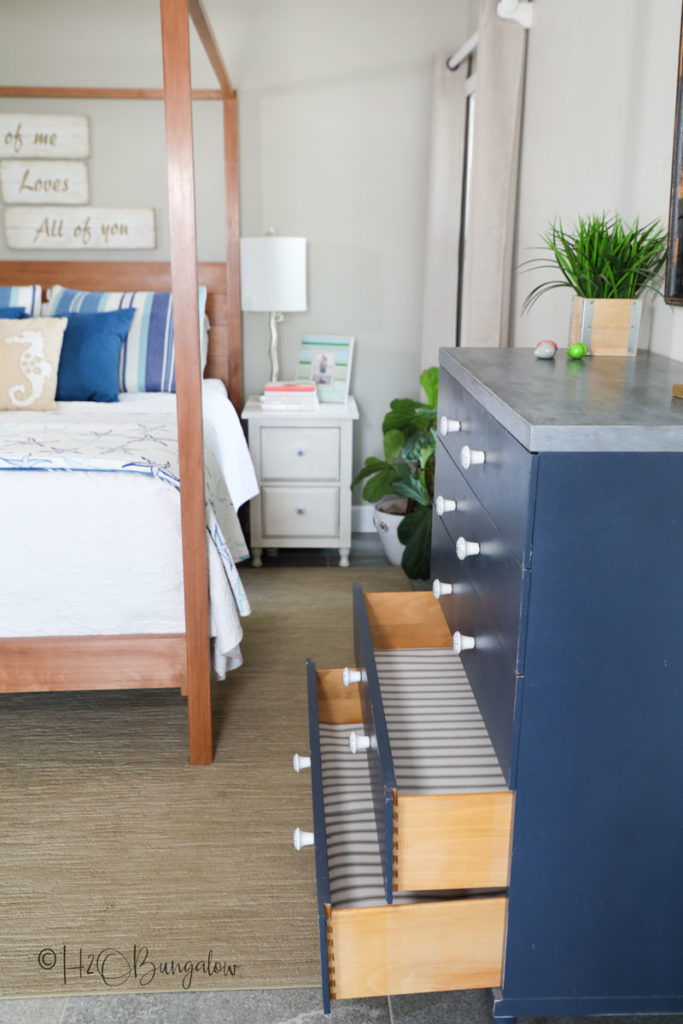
{"points": [[368, 948], [442, 806]]}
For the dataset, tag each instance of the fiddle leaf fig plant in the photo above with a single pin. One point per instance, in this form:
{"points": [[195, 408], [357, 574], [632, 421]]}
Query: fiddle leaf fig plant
{"points": [[407, 470]]}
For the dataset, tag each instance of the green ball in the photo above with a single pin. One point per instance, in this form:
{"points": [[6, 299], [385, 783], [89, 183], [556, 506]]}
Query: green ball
{"points": [[577, 351]]}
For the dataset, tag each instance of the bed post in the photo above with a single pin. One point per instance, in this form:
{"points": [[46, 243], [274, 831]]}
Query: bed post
{"points": [[181, 200]]}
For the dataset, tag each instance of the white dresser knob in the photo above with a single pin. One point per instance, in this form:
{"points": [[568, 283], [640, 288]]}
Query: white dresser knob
{"points": [[300, 451], [301, 511], [465, 548], [352, 675], [439, 588], [463, 643], [359, 741], [471, 457], [300, 762], [302, 839], [447, 426], [444, 505]]}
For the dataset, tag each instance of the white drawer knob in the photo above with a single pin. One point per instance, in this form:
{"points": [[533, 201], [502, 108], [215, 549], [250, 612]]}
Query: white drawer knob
{"points": [[359, 741], [301, 451], [439, 588], [300, 762], [301, 511], [352, 675], [447, 426], [463, 643], [471, 457], [445, 505], [465, 548], [302, 839]]}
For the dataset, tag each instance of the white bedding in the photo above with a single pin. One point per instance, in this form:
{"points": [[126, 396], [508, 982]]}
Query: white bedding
{"points": [[91, 552]]}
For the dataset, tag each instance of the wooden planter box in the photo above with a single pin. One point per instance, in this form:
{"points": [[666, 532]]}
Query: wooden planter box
{"points": [[607, 327]]}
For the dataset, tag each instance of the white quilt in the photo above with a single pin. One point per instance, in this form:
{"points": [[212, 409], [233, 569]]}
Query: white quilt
{"points": [[90, 542]]}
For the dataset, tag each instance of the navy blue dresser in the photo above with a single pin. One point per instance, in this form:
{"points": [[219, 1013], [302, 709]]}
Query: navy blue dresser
{"points": [[497, 780], [573, 595]]}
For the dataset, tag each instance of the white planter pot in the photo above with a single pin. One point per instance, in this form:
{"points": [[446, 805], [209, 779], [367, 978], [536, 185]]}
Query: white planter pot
{"points": [[386, 524]]}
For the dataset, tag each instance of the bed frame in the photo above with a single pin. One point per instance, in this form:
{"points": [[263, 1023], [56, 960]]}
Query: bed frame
{"points": [[164, 660]]}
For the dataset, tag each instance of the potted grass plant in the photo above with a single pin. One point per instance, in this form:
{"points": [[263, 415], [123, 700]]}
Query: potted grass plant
{"points": [[609, 265], [401, 485]]}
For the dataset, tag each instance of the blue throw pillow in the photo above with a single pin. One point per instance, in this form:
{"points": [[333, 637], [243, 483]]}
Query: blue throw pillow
{"points": [[89, 362], [148, 353], [13, 313]]}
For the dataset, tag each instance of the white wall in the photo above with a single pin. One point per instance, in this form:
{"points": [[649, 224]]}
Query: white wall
{"points": [[334, 99], [598, 135], [334, 114]]}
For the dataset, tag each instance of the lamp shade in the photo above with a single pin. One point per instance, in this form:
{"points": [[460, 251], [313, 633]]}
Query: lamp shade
{"points": [[273, 272]]}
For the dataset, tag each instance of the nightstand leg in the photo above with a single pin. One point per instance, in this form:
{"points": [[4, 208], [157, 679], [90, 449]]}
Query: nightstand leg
{"points": [[344, 557], [256, 557]]}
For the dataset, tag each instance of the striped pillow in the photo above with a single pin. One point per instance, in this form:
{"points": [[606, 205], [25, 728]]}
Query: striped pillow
{"points": [[28, 296], [147, 355]]}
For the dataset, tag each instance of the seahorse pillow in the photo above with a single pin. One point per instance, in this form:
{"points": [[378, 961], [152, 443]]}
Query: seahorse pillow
{"points": [[29, 360]]}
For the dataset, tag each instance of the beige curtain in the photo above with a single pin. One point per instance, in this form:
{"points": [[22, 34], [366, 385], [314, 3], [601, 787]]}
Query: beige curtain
{"points": [[444, 197], [489, 263]]}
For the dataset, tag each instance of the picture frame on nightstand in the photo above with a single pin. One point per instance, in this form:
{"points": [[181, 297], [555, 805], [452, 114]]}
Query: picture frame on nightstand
{"points": [[326, 360]]}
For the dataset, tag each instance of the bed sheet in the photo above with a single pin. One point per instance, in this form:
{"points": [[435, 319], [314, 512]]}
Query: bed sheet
{"points": [[112, 541]]}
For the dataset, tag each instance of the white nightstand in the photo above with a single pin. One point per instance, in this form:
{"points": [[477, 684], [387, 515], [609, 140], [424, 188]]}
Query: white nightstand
{"points": [[303, 464]]}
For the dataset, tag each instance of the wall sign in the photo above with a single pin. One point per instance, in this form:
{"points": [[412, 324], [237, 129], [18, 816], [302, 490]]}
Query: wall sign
{"points": [[44, 181], [83, 227], [44, 135]]}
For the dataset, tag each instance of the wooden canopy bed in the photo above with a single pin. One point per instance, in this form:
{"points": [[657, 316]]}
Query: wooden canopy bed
{"points": [[158, 660]]}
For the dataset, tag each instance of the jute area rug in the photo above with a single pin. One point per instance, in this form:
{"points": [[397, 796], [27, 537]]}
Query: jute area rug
{"points": [[125, 869]]}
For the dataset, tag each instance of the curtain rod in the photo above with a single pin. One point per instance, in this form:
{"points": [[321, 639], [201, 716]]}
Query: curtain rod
{"points": [[454, 62]]}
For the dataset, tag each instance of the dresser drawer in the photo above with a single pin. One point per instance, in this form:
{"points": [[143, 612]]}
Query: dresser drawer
{"points": [[300, 453], [300, 512], [442, 806], [480, 555], [369, 948], [505, 481], [492, 676]]}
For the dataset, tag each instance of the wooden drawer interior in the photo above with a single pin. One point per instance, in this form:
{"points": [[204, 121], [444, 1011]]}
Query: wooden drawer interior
{"points": [[449, 822], [418, 947], [419, 943]]}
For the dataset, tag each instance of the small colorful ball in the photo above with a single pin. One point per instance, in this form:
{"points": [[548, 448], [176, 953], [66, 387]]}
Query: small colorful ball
{"points": [[545, 350], [577, 351]]}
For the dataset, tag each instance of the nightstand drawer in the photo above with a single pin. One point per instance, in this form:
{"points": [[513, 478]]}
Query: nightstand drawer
{"points": [[300, 511], [300, 453], [368, 948]]}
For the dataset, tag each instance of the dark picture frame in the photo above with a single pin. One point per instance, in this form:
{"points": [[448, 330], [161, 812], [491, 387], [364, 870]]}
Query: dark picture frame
{"points": [[673, 284]]}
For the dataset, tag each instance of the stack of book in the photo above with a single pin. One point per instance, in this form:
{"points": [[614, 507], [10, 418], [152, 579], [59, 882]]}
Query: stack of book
{"points": [[289, 396]]}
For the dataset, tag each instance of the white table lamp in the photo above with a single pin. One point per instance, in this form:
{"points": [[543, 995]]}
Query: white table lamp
{"points": [[273, 272]]}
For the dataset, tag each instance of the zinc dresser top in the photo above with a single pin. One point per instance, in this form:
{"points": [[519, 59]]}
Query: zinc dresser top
{"points": [[599, 403]]}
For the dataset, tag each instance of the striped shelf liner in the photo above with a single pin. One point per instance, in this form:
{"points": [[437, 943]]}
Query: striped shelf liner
{"points": [[439, 742], [440, 727], [353, 859]]}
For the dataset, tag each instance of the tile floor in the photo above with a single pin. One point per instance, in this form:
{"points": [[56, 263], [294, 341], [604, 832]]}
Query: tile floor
{"points": [[276, 1006]]}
